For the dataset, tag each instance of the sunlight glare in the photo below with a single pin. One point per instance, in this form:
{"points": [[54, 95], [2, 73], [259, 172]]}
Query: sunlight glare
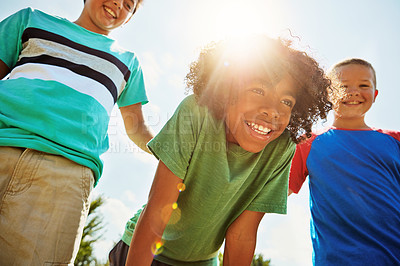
{"points": [[216, 20], [236, 19]]}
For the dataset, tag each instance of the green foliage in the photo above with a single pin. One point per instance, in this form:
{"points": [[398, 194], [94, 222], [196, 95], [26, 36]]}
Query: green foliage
{"points": [[90, 235], [258, 260]]}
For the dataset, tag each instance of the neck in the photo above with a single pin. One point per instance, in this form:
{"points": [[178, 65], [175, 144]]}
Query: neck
{"points": [[350, 123], [90, 26]]}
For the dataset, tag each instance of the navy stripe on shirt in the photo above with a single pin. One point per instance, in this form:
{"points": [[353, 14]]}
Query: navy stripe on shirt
{"points": [[76, 68], [46, 35]]}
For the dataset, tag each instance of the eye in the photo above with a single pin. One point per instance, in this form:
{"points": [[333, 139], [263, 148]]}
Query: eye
{"points": [[288, 103], [128, 6], [257, 91], [364, 86]]}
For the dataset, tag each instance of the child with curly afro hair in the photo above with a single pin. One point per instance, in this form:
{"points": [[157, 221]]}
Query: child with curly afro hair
{"points": [[224, 66], [224, 156]]}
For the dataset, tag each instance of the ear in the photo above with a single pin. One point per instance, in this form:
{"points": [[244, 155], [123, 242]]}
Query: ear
{"points": [[376, 94]]}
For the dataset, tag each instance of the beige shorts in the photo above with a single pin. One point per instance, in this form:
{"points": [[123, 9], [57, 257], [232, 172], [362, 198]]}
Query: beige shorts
{"points": [[44, 202]]}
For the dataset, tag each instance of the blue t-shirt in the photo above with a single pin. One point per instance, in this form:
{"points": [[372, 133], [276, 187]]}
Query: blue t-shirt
{"points": [[63, 84], [354, 180]]}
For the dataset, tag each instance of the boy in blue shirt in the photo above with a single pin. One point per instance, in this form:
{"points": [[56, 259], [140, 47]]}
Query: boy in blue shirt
{"points": [[63, 80], [354, 177], [225, 154]]}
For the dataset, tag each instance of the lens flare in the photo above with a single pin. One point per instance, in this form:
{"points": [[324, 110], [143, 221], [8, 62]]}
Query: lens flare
{"points": [[174, 217], [157, 248], [181, 187]]}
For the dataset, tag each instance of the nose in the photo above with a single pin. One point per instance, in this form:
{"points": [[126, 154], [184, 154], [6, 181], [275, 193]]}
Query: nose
{"points": [[118, 4], [352, 91], [270, 111]]}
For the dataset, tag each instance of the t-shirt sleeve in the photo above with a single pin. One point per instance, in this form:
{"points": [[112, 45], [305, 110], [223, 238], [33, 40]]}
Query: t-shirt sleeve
{"points": [[273, 197], [134, 91], [130, 227], [298, 169], [394, 134], [11, 30], [175, 143]]}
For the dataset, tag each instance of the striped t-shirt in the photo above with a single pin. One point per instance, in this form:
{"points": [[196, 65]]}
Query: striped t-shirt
{"points": [[63, 84]]}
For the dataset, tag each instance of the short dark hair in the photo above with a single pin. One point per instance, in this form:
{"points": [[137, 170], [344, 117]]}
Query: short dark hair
{"points": [[217, 71]]}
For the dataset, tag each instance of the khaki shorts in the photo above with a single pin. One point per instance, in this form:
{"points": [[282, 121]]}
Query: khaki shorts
{"points": [[44, 202]]}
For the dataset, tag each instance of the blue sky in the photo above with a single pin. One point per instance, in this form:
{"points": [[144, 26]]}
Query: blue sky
{"points": [[167, 35]]}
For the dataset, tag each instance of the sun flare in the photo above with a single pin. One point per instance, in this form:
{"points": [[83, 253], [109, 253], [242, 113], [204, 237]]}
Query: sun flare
{"points": [[237, 19], [234, 19]]}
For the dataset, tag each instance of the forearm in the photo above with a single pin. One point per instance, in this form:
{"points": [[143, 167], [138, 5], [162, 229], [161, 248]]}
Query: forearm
{"points": [[135, 125], [141, 137], [147, 234], [155, 216], [239, 250], [241, 238]]}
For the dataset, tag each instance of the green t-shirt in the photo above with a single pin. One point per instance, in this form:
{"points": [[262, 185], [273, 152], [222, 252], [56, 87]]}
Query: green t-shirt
{"points": [[222, 180]]}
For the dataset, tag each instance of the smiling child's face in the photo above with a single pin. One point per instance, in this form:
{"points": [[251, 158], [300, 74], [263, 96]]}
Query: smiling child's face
{"points": [[260, 113], [102, 16], [356, 85]]}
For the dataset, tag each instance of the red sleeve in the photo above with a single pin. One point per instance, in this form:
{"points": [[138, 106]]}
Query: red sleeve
{"points": [[298, 169], [394, 134]]}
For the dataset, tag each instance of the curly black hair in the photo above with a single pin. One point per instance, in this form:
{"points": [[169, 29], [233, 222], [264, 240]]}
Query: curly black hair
{"points": [[222, 66]]}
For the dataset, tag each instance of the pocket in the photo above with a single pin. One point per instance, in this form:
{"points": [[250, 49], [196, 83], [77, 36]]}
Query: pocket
{"points": [[24, 172]]}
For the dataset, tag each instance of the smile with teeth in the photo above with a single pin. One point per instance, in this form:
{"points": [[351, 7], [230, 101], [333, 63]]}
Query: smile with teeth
{"points": [[109, 11], [352, 102], [259, 128]]}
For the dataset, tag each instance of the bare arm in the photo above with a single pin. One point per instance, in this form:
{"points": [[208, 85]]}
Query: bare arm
{"points": [[240, 239], [4, 70], [135, 125], [154, 217]]}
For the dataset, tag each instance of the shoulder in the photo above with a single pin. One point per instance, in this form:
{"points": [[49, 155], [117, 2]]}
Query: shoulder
{"points": [[189, 105], [190, 108], [29, 13], [28, 10], [23, 14], [189, 112], [393, 133], [189, 101], [308, 141], [121, 51], [39, 13], [304, 147], [35, 18]]}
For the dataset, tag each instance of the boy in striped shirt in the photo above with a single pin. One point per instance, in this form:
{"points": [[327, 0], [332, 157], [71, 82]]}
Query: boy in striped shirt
{"points": [[63, 79]]}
